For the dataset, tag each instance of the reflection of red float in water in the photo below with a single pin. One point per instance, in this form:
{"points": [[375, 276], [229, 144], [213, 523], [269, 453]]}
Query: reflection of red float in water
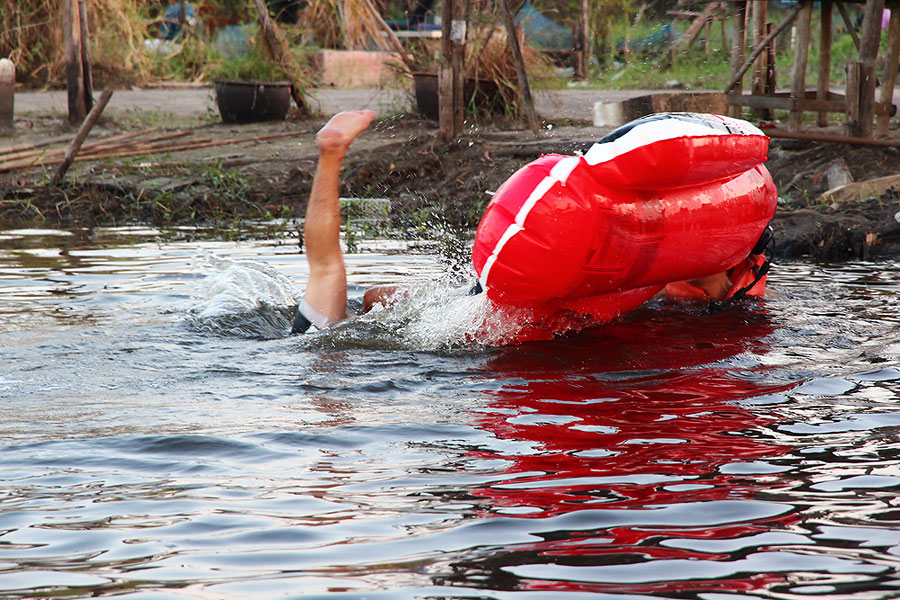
{"points": [[666, 198], [626, 426]]}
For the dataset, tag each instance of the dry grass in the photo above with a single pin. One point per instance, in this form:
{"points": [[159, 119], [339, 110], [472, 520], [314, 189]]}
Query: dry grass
{"points": [[342, 24], [489, 58], [32, 37], [31, 34]]}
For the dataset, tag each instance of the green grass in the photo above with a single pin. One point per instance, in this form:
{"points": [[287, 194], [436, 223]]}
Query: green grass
{"points": [[694, 68]]}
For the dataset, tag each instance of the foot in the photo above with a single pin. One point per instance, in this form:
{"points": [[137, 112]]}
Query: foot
{"points": [[339, 132]]}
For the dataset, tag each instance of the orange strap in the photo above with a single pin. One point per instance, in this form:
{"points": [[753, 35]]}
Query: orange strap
{"points": [[746, 276]]}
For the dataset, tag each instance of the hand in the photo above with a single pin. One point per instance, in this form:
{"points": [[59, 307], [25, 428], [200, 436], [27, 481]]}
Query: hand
{"points": [[340, 131]]}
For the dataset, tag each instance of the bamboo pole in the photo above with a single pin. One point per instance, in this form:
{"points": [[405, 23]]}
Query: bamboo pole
{"points": [[883, 123], [131, 145], [24, 147], [193, 145], [125, 152], [837, 139], [121, 138], [33, 150], [83, 132], [144, 150]]}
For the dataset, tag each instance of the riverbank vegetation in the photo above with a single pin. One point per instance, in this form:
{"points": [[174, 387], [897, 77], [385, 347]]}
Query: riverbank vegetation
{"points": [[629, 40]]}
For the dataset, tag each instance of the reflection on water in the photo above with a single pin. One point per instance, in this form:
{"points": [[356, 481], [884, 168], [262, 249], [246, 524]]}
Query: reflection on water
{"points": [[161, 437]]}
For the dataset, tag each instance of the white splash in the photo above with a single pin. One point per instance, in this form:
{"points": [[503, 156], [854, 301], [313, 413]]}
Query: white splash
{"points": [[244, 297]]}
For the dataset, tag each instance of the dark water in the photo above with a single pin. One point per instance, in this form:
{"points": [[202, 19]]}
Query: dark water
{"points": [[161, 438]]}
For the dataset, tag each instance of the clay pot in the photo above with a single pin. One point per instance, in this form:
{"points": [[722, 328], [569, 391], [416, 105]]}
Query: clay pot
{"points": [[253, 101]]}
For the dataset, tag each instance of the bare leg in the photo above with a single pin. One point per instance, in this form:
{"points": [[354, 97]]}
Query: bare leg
{"points": [[327, 287]]}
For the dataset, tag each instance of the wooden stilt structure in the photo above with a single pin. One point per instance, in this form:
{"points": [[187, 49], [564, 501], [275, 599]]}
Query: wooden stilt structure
{"points": [[450, 71], [858, 102], [738, 43], [868, 52], [889, 79], [74, 62], [801, 54], [760, 65], [824, 79], [581, 44], [86, 56]]}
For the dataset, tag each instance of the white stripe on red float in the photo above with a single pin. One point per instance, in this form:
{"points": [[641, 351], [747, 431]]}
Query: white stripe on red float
{"points": [[558, 174], [647, 133]]}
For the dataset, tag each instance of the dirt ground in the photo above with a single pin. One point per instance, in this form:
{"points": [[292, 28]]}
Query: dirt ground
{"points": [[428, 184]]}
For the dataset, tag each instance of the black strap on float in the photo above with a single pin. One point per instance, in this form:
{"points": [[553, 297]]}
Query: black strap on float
{"points": [[761, 271], [762, 244]]}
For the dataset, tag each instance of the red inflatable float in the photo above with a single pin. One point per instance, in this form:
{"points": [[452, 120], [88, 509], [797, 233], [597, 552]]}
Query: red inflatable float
{"points": [[667, 198]]}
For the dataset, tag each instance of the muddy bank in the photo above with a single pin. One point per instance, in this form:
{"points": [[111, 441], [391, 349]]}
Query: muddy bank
{"points": [[428, 184]]}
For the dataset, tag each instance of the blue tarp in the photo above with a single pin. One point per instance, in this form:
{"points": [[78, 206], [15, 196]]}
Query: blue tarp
{"points": [[541, 31], [170, 29], [655, 40]]}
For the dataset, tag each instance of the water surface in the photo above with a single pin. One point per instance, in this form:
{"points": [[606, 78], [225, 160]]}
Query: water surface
{"points": [[162, 437]]}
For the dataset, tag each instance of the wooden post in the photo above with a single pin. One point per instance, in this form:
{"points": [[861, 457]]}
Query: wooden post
{"points": [[74, 73], [770, 80], [578, 58], [585, 35], [738, 45], [79, 138], [457, 59], [798, 85], [890, 76], [706, 30], [86, 56], [852, 96], [758, 80], [521, 73], [868, 53], [723, 25], [824, 80], [446, 95], [7, 93], [581, 43]]}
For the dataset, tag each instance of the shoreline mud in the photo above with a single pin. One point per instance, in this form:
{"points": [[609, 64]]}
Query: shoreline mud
{"points": [[258, 172]]}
